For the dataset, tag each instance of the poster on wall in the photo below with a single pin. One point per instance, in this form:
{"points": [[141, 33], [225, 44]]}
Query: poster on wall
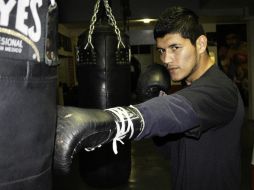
{"points": [[233, 55]]}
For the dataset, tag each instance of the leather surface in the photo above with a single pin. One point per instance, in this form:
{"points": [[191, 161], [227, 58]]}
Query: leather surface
{"points": [[28, 117], [27, 94]]}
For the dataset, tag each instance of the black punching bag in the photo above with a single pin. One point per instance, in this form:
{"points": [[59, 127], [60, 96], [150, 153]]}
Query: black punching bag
{"points": [[28, 94], [104, 80], [103, 72]]}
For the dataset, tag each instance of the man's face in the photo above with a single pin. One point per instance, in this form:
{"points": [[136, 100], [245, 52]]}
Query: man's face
{"points": [[178, 55]]}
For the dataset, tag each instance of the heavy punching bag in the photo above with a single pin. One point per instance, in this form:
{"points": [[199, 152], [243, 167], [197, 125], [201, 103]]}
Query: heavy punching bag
{"points": [[28, 94], [103, 73]]}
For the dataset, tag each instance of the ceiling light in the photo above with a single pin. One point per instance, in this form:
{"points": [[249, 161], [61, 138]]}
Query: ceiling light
{"points": [[146, 20]]}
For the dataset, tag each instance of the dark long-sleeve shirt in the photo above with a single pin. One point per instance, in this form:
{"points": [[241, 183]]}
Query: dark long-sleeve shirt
{"points": [[206, 119]]}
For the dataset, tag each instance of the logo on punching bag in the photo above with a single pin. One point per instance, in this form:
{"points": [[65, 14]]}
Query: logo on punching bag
{"points": [[23, 28]]}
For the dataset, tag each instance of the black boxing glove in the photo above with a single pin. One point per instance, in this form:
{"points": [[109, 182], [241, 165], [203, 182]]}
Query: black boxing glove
{"points": [[152, 81], [88, 129]]}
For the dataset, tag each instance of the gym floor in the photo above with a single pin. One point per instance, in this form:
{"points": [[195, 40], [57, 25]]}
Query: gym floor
{"points": [[151, 171]]}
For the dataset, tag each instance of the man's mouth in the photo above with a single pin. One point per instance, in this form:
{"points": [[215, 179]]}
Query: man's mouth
{"points": [[172, 69]]}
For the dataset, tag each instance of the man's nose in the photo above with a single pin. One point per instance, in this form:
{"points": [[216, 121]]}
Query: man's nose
{"points": [[167, 58]]}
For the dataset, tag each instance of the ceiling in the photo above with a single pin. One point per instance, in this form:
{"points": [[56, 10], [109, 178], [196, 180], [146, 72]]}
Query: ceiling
{"points": [[79, 12]]}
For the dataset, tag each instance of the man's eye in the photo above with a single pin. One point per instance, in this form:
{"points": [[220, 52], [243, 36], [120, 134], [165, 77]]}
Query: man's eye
{"points": [[161, 51], [174, 48]]}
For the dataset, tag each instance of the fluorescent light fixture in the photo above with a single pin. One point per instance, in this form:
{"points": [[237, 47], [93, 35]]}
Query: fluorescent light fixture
{"points": [[145, 20]]}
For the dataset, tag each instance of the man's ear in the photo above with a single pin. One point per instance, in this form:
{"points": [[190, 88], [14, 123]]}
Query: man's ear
{"points": [[201, 44]]}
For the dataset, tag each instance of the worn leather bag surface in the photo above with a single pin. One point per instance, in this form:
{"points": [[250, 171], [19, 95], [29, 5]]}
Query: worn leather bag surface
{"points": [[27, 95]]}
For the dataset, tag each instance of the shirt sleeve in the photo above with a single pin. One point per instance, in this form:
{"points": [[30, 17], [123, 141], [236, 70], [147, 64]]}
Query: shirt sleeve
{"points": [[167, 115], [214, 106]]}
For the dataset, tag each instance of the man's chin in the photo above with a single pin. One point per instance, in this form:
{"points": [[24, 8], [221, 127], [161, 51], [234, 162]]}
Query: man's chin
{"points": [[179, 81], [176, 79]]}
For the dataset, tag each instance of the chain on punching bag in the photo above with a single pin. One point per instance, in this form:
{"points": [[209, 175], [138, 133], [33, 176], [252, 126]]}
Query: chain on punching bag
{"points": [[103, 73], [28, 94]]}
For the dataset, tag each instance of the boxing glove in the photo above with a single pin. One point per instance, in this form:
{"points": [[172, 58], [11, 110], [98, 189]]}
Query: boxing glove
{"points": [[154, 80], [88, 129]]}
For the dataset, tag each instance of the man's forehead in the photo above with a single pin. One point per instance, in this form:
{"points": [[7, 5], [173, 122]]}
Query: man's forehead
{"points": [[170, 39]]}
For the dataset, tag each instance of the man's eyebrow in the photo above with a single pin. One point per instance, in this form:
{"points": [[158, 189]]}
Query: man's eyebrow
{"points": [[173, 45], [169, 46]]}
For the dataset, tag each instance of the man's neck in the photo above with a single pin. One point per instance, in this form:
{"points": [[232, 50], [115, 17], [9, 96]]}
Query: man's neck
{"points": [[205, 63]]}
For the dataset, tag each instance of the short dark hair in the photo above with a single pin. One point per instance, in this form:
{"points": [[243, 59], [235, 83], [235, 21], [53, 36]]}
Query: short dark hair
{"points": [[179, 20]]}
